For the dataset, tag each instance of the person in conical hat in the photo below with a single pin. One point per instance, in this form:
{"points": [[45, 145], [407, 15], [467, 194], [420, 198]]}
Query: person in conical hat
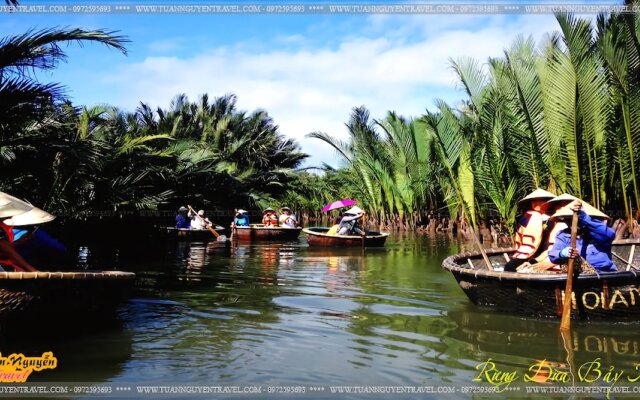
{"points": [[350, 222], [182, 221], [35, 245], [9, 257], [270, 218], [355, 210], [594, 238], [241, 218], [287, 218], [199, 220], [530, 230]]}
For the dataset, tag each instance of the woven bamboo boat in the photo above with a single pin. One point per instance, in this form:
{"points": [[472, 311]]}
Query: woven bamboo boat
{"points": [[261, 232], [317, 236], [192, 234], [603, 295], [66, 294]]}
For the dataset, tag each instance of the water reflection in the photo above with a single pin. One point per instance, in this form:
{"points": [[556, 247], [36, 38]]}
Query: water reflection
{"points": [[279, 313]]}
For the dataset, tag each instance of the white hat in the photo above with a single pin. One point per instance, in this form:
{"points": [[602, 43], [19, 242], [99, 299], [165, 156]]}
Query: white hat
{"points": [[241, 211], [537, 194], [355, 210], [566, 211], [10, 206], [201, 213], [32, 217]]}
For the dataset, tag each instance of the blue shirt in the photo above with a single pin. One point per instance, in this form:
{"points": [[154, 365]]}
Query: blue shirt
{"points": [[242, 220], [182, 222], [594, 244]]}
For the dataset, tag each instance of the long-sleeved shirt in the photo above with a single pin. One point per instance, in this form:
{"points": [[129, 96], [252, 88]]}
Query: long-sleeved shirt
{"points": [[593, 244], [182, 222], [349, 223]]}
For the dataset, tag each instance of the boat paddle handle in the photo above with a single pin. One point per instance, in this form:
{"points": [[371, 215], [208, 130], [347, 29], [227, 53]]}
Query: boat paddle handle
{"points": [[216, 234], [565, 323]]}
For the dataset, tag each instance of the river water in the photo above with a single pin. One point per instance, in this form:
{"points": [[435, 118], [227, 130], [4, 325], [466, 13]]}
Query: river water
{"points": [[284, 314]]}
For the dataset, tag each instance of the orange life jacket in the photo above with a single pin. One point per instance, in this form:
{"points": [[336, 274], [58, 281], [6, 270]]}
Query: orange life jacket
{"points": [[3, 259], [549, 238], [529, 235], [270, 219]]}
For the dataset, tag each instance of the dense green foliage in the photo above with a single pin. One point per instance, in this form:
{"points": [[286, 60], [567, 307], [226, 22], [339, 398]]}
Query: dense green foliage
{"points": [[74, 160], [563, 115]]}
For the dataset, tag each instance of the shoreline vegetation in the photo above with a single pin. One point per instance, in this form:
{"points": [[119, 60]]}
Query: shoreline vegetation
{"points": [[563, 114]]}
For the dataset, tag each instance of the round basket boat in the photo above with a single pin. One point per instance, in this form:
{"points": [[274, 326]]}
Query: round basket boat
{"points": [[602, 295], [54, 294], [261, 232], [317, 236]]}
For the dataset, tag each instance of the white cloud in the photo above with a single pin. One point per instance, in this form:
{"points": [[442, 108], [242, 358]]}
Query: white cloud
{"points": [[315, 89], [166, 45]]}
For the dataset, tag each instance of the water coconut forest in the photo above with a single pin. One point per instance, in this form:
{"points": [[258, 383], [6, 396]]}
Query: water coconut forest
{"points": [[561, 114]]}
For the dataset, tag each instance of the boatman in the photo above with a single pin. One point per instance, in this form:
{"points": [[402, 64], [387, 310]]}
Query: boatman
{"points": [[531, 226], [594, 239], [199, 221], [349, 224], [182, 222]]}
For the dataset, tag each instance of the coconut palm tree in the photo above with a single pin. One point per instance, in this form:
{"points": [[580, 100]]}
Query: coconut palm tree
{"points": [[22, 97]]}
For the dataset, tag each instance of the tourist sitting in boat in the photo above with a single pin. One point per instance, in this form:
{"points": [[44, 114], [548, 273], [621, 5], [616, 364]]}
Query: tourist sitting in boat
{"points": [[182, 222], [199, 221], [9, 257], [529, 234], [541, 262], [287, 219], [35, 245], [336, 226], [269, 217], [241, 218], [349, 225], [594, 238]]}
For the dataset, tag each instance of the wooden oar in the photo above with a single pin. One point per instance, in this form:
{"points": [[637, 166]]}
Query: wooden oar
{"points": [[233, 230], [364, 230], [565, 323], [484, 253], [216, 234]]}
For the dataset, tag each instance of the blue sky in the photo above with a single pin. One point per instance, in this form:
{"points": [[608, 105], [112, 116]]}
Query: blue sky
{"points": [[308, 71]]}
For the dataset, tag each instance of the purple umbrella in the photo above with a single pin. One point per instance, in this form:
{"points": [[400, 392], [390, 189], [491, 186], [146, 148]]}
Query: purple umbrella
{"points": [[338, 204]]}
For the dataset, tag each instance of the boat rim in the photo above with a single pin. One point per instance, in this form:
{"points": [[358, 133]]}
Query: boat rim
{"points": [[450, 264], [309, 231], [271, 228], [45, 275]]}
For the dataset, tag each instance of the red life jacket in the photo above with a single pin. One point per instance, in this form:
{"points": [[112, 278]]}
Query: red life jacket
{"points": [[3, 260]]}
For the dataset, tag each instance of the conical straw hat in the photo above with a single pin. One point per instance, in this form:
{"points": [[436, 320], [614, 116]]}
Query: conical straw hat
{"points": [[33, 217], [566, 211], [563, 199], [354, 210], [537, 194], [10, 206]]}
